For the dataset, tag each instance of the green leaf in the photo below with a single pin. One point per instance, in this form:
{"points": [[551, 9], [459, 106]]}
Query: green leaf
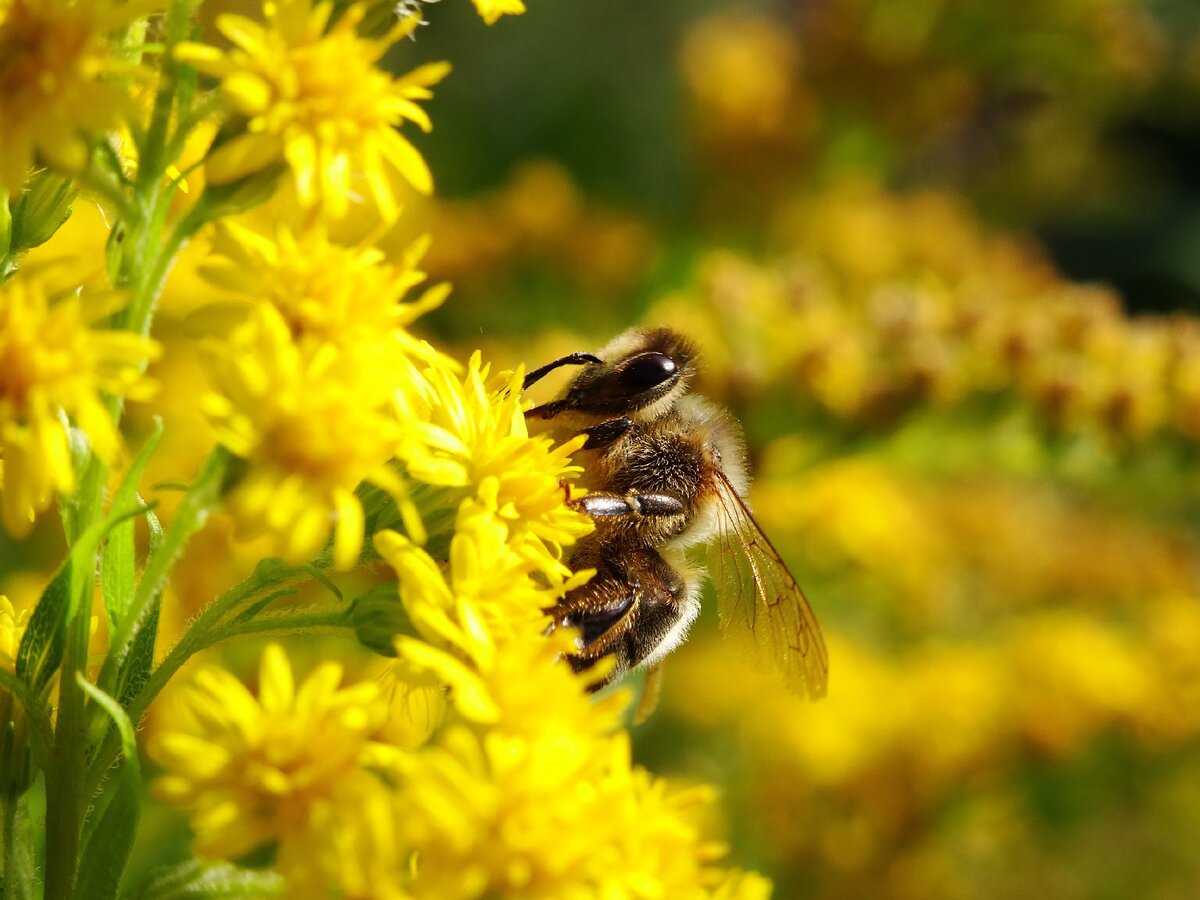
{"points": [[117, 564], [196, 879], [37, 713], [258, 606], [41, 210], [137, 670], [18, 870], [107, 848], [41, 649], [156, 529]]}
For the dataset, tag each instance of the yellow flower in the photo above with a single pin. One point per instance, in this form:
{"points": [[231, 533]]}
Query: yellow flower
{"points": [[544, 802], [312, 423], [742, 72], [486, 603], [12, 629], [324, 290], [488, 593], [476, 437], [59, 80], [53, 364], [312, 97], [492, 10], [256, 770]]}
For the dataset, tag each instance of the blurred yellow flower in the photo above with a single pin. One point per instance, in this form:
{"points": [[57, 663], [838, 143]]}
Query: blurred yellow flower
{"points": [[492, 10], [59, 81], [743, 73], [54, 367], [254, 770], [312, 423], [12, 629], [312, 97], [326, 291]]}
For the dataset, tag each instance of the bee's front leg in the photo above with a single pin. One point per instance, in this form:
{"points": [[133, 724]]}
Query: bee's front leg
{"points": [[571, 359], [606, 433]]}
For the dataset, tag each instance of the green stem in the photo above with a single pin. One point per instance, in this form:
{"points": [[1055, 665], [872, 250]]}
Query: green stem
{"points": [[16, 878], [196, 638], [95, 179], [189, 517], [153, 158], [149, 280], [65, 804], [325, 619], [10, 843]]}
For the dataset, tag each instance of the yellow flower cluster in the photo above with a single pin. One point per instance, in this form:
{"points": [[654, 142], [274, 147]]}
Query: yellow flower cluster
{"points": [[926, 85], [903, 736], [60, 81], [524, 787], [340, 437], [1005, 631], [55, 367], [313, 98], [318, 384], [521, 786], [510, 780], [895, 304]]}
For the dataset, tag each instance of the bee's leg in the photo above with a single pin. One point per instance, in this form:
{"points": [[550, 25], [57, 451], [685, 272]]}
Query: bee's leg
{"points": [[606, 433], [651, 692], [603, 505], [571, 359]]}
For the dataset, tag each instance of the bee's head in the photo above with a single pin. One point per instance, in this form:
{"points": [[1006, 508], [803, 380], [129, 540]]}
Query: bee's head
{"points": [[640, 374]]}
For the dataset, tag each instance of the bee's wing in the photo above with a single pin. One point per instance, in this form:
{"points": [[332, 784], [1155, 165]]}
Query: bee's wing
{"points": [[760, 601]]}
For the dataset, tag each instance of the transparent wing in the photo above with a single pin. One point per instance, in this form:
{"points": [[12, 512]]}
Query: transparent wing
{"points": [[760, 602]]}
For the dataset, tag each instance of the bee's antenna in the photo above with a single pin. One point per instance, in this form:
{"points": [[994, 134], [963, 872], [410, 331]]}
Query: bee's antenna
{"points": [[573, 359]]}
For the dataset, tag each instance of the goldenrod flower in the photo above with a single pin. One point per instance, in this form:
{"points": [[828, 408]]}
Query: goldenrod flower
{"points": [[312, 423], [59, 81], [326, 291], [544, 801], [256, 770], [488, 591], [485, 602], [54, 367], [476, 437], [312, 96]]}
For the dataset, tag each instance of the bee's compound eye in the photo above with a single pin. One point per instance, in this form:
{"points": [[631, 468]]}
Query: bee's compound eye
{"points": [[647, 371]]}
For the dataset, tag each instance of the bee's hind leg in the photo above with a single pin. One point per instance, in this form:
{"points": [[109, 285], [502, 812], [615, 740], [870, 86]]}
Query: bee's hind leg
{"points": [[605, 505]]}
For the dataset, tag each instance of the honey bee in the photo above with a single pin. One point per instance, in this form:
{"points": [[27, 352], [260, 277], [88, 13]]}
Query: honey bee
{"points": [[665, 471]]}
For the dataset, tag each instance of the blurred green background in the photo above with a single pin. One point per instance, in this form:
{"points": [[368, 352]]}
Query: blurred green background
{"points": [[943, 257]]}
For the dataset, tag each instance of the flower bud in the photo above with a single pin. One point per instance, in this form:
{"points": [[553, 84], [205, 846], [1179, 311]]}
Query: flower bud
{"points": [[41, 210], [378, 617]]}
